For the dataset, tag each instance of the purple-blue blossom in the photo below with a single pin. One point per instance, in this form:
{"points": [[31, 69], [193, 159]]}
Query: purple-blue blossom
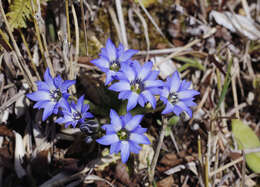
{"points": [[177, 95], [111, 59], [138, 84], [74, 114], [50, 93], [124, 134]]}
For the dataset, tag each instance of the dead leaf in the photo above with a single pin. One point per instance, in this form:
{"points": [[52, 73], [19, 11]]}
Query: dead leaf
{"points": [[170, 160], [166, 182]]}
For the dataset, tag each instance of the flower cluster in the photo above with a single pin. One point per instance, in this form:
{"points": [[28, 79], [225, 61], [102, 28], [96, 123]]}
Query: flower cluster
{"points": [[139, 84], [52, 95]]}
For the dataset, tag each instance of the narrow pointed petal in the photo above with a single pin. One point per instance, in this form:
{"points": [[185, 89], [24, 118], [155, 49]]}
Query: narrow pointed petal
{"points": [[111, 50], [153, 83], [136, 66], [48, 79], [101, 63], [177, 110], [150, 98], [168, 108], [80, 103], [146, 69], [64, 104], [165, 92], [141, 100], [134, 122], [115, 120], [140, 130], [187, 94], [66, 84], [125, 151], [115, 147], [182, 106], [110, 76], [39, 95], [120, 86], [175, 82], [132, 101], [127, 55], [57, 81], [124, 94], [108, 128], [120, 50], [185, 85], [129, 73], [152, 75], [40, 104], [108, 139], [48, 110], [139, 139], [42, 85], [134, 148]]}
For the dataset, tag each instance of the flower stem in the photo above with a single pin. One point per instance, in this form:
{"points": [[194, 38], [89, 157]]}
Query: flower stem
{"points": [[158, 149]]}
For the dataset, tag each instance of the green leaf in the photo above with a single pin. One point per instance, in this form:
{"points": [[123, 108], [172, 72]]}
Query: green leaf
{"points": [[247, 139], [189, 62]]}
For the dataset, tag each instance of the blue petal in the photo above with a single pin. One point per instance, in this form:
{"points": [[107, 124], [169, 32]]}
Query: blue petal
{"points": [[40, 104], [115, 147], [102, 63], [110, 76], [111, 50], [108, 139], [125, 151], [129, 73], [134, 122], [58, 81], [146, 69], [66, 84], [87, 115], [120, 86], [175, 82], [152, 75], [80, 103], [153, 83], [189, 102], [139, 130], [136, 66], [139, 139], [177, 110], [165, 92], [126, 118], [120, 50], [127, 55], [39, 95], [124, 94], [48, 110], [168, 108], [42, 85], [115, 120], [48, 79], [187, 94], [182, 106], [64, 104], [132, 101], [134, 148], [184, 85], [84, 108], [141, 100], [108, 128], [150, 98]]}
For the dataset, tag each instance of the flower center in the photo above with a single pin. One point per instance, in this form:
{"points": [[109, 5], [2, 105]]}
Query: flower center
{"points": [[114, 65], [55, 95], [137, 86], [76, 116], [173, 98], [123, 134]]}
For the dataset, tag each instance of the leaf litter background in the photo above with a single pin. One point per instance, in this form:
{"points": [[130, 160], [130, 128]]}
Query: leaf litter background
{"points": [[214, 44]]}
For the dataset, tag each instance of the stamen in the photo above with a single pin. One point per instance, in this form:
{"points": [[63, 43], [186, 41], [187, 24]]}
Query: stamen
{"points": [[76, 116], [123, 134], [137, 86], [115, 65], [55, 95], [173, 98]]}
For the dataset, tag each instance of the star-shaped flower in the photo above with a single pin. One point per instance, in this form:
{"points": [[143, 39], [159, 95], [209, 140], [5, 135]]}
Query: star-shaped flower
{"points": [[138, 84], [111, 59], [124, 134], [74, 114], [177, 96], [49, 94]]}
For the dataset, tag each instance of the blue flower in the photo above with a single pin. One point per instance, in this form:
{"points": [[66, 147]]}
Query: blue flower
{"points": [[74, 113], [177, 96], [138, 84], [124, 134], [111, 59], [49, 94]]}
